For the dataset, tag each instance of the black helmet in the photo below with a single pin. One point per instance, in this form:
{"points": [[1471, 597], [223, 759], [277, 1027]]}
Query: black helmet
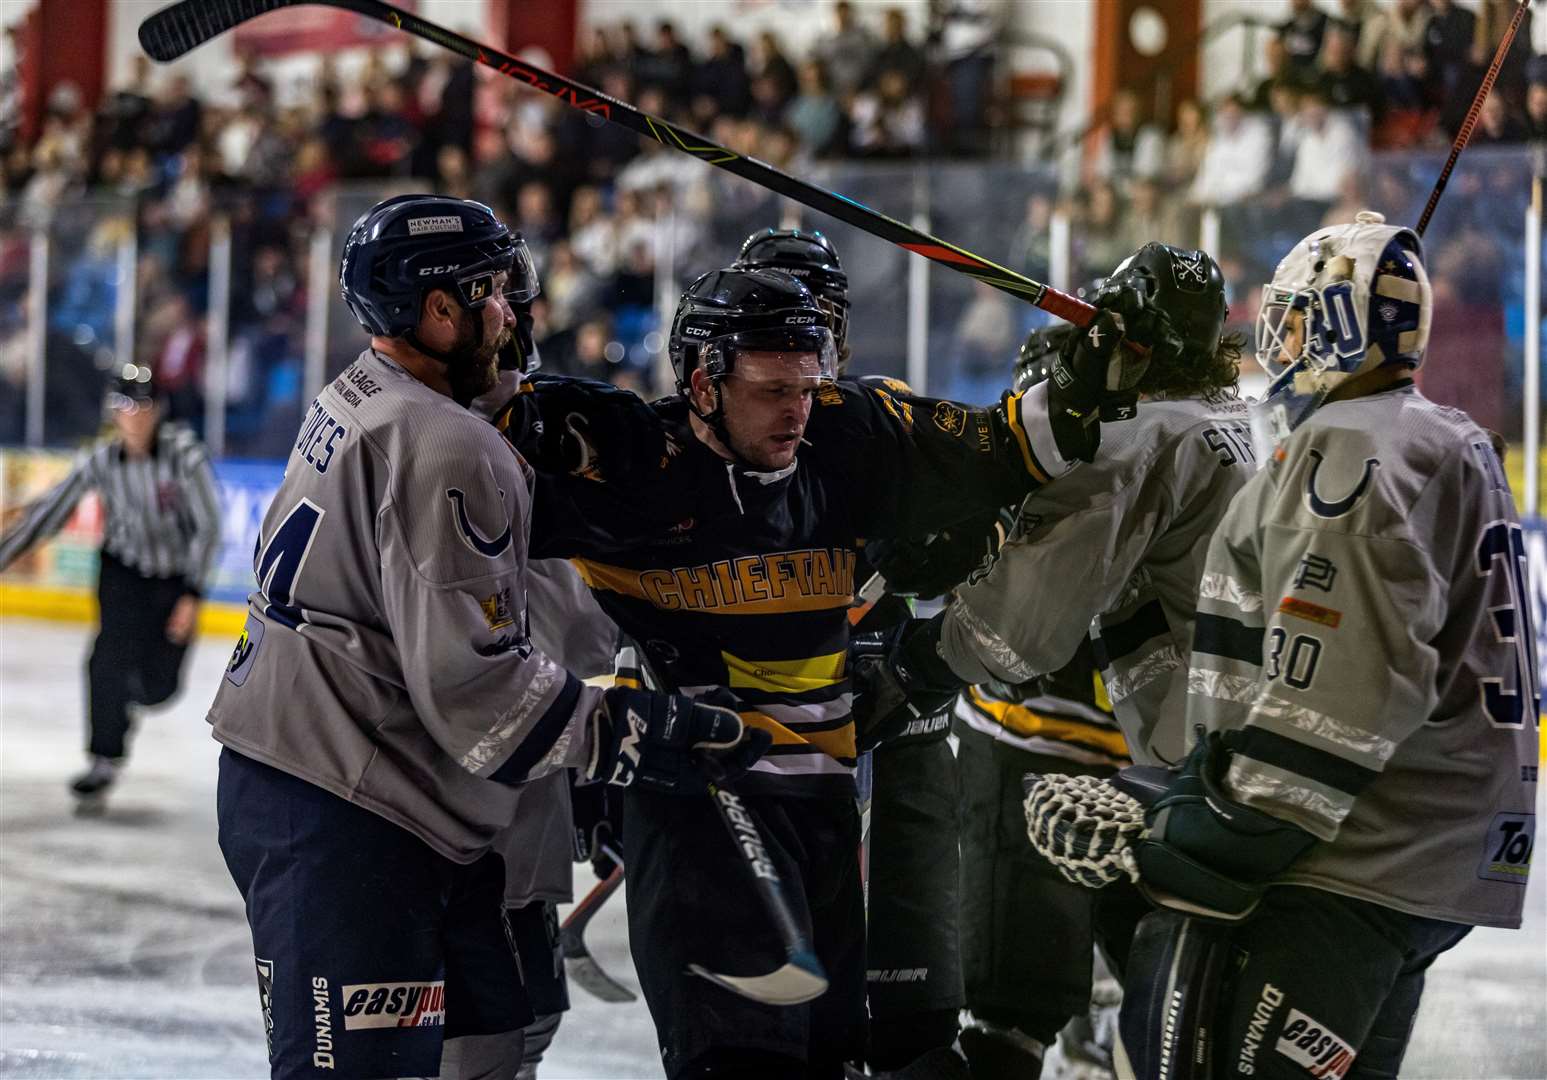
{"points": [[1188, 288], [809, 257], [400, 249], [732, 310]]}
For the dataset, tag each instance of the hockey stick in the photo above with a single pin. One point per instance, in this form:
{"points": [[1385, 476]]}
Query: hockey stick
{"points": [[579, 964], [175, 30], [801, 977], [1465, 134]]}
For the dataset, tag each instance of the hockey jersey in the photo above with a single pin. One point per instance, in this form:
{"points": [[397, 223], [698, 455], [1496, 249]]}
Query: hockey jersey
{"points": [[1115, 551], [1364, 616], [386, 656], [731, 578]]}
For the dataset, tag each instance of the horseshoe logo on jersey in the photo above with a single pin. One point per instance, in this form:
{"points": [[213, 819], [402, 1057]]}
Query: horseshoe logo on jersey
{"points": [[490, 549], [1336, 508]]}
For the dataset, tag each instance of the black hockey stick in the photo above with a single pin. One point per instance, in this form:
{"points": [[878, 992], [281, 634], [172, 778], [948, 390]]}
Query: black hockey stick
{"points": [[175, 30], [579, 964], [1464, 136], [801, 977]]}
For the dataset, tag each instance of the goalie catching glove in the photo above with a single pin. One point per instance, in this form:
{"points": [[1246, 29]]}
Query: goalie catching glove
{"points": [[669, 742], [902, 685]]}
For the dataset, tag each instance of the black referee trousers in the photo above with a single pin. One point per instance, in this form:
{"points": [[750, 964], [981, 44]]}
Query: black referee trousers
{"points": [[132, 662]]}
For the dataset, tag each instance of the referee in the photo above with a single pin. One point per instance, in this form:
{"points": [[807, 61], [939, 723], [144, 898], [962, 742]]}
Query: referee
{"points": [[160, 533]]}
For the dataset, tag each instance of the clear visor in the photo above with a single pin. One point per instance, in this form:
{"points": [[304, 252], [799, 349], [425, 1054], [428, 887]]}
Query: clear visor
{"points": [[515, 282], [782, 354]]}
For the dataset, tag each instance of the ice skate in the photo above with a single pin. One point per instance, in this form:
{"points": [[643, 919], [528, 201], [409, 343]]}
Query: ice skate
{"points": [[90, 788]]}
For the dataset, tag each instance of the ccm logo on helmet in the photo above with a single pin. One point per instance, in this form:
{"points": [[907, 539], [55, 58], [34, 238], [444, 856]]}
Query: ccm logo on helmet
{"points": [[799, 320], [695, 331], [428, 270]]}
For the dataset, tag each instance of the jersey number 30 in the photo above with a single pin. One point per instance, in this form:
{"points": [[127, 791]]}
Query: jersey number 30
{"points": [[1502, 551], [278, 563]]}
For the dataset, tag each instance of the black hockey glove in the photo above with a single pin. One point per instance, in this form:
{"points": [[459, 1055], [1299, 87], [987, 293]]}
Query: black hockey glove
{"points": [[903, 689], [1095, 376], [596, 814], [933, 567], [669, 742], [1207, 849], [593, 430]]}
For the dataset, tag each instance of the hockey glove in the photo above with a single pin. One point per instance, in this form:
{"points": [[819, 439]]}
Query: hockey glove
{"points": [[933, 567], [596, 814], [593, 430], [1205, 848], [1095, 376], [669, 742], [902, 688]]}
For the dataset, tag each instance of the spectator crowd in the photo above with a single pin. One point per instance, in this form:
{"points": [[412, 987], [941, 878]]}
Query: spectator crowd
{"points": [[602, 207]]}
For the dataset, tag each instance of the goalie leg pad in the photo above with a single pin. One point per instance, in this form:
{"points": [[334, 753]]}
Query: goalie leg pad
{"points": [[1179, 970]]}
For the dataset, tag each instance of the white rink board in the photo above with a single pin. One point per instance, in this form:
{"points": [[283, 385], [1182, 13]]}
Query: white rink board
{"points": [[123, 950]]}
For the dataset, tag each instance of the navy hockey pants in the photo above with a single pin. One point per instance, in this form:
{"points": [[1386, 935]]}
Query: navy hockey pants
{"points": [[371, 948]]}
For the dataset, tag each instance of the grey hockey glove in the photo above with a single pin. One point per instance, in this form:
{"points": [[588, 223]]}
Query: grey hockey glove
{"points": [[902, 687], [669, 742], [1205, 848], [1098, 370]]}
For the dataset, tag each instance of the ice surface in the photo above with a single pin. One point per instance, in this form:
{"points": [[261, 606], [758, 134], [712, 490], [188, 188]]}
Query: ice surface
{"points": [[124, 953]]}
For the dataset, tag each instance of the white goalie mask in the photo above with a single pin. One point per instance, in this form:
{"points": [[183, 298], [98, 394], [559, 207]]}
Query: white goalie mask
{"points": [[1346, 300]]}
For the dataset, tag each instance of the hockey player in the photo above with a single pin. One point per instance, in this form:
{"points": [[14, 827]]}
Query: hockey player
{"points": [[1364, 670], [913, 962], [725, 549], [1112, 555], [161, 529], [385, 705]]}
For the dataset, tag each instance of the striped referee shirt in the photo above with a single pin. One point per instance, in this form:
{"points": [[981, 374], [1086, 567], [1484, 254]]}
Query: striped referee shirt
{"points": [[161, 514]]}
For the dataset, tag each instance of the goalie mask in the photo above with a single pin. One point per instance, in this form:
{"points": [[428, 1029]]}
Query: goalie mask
{"points": [[811, 259], [1347, 300]]}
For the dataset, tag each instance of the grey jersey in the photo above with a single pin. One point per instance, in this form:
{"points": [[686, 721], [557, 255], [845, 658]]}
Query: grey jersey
{"points": [[1363, 617], [386, 656], [1114, 549]]}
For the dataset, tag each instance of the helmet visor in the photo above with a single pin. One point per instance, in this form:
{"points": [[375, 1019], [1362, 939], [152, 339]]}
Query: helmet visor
{"points": [[513, 277], [774, 354]]}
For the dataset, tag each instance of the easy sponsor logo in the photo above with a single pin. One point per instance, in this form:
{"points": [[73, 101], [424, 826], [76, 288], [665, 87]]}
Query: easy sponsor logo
{"points": [[1257, 1028], [1311, 1045], [394, 1005], [438, 224], [322, 1024]]}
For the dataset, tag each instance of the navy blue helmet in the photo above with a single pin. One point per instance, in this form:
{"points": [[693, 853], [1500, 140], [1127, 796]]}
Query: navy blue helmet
{"points": [[402, 248]]}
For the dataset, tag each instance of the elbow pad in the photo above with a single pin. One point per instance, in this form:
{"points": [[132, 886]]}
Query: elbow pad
{"points": [[1208, 850]]}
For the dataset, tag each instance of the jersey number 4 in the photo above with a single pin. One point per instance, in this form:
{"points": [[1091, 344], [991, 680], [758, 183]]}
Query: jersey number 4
{"points": [[1502, 550], [278, 563]]}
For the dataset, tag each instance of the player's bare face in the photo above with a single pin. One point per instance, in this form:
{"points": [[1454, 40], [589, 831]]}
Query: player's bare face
{"points": [[767, 400]]}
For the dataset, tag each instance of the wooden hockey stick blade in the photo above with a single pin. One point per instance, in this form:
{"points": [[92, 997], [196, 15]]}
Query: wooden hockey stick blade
{"points": [[799, 980], [183, 26], [579, 964]]}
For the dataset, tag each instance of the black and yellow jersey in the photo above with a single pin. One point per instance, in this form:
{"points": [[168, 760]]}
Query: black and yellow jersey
{"points": [[1066, 714], [726, 577]]}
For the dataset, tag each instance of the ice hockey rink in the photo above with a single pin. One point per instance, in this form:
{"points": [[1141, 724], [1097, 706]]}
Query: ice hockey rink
{"points": [[123, 950]]}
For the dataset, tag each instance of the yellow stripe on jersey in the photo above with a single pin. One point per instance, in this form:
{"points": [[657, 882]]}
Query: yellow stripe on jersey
{"points": [[1019, 428], [838, 743], [785, 676], [1103, 699], [810, 579], [1023, 721]]}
